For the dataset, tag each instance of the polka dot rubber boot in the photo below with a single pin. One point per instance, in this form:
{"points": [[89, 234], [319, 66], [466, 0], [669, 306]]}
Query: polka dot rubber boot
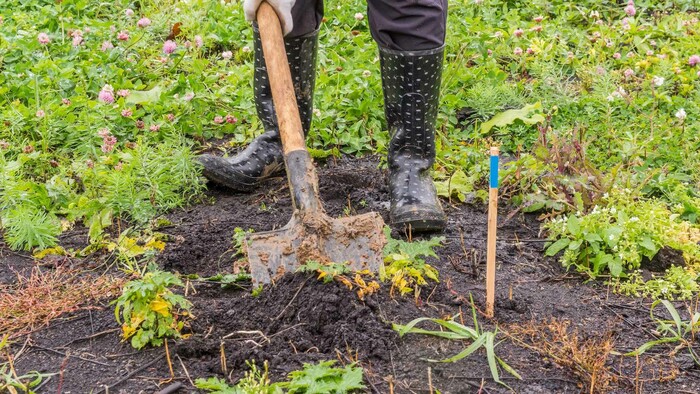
{"points": [[263, 158], [411, 84]]}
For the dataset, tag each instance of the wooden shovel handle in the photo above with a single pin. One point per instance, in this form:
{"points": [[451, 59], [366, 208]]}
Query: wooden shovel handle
{"points": [[280, 78]]}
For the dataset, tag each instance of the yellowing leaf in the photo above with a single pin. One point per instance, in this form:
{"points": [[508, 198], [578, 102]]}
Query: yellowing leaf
{"points": [[55, 251], [155, 244], [160, 306]]}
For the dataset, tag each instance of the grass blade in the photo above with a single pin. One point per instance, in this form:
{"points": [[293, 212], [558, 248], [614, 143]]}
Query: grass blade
{"points": [[464, 353], [491, 357]]}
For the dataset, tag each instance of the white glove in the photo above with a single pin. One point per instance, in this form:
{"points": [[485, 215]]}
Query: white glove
{"points": [[282, 7]]}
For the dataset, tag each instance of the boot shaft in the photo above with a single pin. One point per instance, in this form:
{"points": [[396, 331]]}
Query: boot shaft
{"points": [[301, 54], [411, 85]]}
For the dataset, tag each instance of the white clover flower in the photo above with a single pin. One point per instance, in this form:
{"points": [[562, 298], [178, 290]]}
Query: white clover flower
{"points": [[680, 114], [634, 219], [613, 210], [657, 81]]}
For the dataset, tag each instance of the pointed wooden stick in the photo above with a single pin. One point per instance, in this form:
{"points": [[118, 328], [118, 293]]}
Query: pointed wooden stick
{"points": [[491, 239]]}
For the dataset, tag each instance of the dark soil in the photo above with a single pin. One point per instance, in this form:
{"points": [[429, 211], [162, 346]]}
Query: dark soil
{"points": [[301, 320]]}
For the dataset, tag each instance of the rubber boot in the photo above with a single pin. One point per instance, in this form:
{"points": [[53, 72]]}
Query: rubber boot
{"points": [[411, 84], [263, 158]]}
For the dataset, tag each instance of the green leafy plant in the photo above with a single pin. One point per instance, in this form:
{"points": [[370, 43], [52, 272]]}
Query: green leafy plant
{"points": [[320, 378], [26, 228], [675, 330], [460, 186], [339, 272], [677, 283], [254, 381], [456, 331], [616, 236], [149, 311], [404, 263]]}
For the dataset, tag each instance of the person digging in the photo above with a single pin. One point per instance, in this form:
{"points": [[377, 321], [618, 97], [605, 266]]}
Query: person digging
{"points": [[410, 36]]}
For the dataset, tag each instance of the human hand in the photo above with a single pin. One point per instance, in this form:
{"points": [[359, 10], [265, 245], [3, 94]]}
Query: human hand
{"points": [[283, 8]]}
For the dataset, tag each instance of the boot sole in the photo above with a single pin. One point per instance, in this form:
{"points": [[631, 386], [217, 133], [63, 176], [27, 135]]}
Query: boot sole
{"points": [[419, 218]]}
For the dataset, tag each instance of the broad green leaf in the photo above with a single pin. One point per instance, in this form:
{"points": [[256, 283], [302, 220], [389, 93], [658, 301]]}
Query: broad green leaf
{"points": [[557, 246], [573, 224], [615, 267], [600, 261], [144, 96], [526, 114], [457, 185], [611, 235], [592, 237], [574, 245], [648, 244]]}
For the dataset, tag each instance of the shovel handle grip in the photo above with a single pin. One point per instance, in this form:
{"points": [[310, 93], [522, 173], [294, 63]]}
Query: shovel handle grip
{"points": [[280, 78]]}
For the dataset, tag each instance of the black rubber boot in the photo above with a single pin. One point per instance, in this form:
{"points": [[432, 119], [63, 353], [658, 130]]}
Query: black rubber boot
{"points": [[263, 158], [411, 83]]}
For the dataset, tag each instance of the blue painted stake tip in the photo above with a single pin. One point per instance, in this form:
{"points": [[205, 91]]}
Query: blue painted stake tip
{"points": [[493, 173]]}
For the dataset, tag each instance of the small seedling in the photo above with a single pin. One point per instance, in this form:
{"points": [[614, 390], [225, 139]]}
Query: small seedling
{"points": [[676, 331], [150, 310], [457, 331]]}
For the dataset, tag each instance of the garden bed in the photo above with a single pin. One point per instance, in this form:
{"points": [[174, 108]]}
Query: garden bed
{"points": [[301, 320]]}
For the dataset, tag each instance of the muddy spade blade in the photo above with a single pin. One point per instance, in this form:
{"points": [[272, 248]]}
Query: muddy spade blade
{"points": [[310, 234], [313, 235]]}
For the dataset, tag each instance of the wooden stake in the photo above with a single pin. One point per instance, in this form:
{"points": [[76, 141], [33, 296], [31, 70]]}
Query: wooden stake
{"points": [[491, 239]]}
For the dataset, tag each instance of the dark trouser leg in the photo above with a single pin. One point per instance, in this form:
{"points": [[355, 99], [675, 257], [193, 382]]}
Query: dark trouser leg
{"points": [[263, 158], [408, 25], [307, 16], [411, 39]]}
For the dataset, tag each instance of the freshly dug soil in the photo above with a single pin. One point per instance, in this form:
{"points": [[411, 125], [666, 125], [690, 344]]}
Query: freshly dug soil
{"points": [[302, 320]]}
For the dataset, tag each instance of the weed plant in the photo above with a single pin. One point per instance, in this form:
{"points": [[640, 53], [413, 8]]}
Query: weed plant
{"points": [[675, 331], [149, 311], [320, 378], [617, 235], [450, 329]]}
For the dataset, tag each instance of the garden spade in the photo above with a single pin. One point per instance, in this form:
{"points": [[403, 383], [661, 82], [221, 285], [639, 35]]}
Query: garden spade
{"points": [[310, 234]]}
